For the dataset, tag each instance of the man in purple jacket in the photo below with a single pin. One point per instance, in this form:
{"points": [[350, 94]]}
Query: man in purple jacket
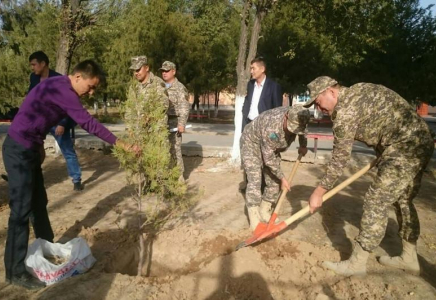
{"points": [[62, 132], [23, 153]]}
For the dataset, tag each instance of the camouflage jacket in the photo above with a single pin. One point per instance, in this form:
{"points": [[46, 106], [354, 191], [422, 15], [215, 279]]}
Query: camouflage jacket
{"points": [[372, 114], [267, 132], [178, 105], [153, 82]]}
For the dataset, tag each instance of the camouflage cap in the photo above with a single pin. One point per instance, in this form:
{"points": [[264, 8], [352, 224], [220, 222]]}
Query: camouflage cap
{"points": [[137, 62], [167, 65], [298, 118], [318, 86]]}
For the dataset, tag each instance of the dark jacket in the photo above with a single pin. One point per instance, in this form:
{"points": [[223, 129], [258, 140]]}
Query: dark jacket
{"points": [[36, 79], [271, 97]]}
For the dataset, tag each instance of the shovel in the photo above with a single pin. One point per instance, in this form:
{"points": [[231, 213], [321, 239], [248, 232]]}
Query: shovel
{"points": [[264, 231], [262, 227]]}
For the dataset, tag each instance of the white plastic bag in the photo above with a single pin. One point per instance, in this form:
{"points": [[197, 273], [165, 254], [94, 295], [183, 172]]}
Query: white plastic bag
{"points": [[77, 255]]}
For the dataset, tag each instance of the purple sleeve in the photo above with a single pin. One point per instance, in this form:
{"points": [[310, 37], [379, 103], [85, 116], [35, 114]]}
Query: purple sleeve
{"points": [[87, 122], [72, 106]]}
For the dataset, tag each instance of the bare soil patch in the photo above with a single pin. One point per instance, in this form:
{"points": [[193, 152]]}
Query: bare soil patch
{"points": [[193, 257]]}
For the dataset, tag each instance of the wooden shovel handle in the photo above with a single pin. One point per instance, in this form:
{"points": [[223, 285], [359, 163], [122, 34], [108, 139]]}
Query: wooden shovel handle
{"points": [[332, 192], [291, 177]]}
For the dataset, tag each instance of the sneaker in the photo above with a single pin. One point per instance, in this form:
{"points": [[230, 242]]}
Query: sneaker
{"points": [[78, 186], [28, 281]]}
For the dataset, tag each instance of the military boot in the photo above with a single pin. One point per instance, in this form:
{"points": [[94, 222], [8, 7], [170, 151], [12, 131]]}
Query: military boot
{"points": [[354, 266], [408, 260], [253, 215], [265, 211]]}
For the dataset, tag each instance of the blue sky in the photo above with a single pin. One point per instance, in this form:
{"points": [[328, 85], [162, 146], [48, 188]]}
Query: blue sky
{"points": [[425, 3]]}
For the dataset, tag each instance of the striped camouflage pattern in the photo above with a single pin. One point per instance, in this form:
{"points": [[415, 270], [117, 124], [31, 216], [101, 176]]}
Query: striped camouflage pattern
{"points": [[179, 103], [377, 116], [168, 65], [156, 83], [178, 113], [153, 84], [261, 144], [382, 119], [137, 62], [318, 86]]}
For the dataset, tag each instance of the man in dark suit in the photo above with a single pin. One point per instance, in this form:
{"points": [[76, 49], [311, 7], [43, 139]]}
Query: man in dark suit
{"points": [[262, 93]]}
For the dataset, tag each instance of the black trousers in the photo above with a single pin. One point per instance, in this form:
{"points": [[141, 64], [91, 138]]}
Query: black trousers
{"points": [[27, 197]]}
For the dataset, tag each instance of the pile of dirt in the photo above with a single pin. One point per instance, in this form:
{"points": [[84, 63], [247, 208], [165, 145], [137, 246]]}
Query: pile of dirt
{"points": [[56, 260]]}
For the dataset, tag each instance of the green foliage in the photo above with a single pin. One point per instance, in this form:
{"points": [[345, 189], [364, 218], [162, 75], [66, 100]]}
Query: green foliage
{"points": [[149, 170], [108, 118], [391, 42], [215, 24], [26, 27], [12, 85], [197, 35], [405, 62]]}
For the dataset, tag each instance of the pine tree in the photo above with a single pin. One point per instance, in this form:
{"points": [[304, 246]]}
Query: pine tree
{"points": [[150, 171]]}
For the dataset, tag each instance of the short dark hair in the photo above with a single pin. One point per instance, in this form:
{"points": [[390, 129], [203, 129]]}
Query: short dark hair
{"points": [[39, 56], [90, 69], [259, 60]]}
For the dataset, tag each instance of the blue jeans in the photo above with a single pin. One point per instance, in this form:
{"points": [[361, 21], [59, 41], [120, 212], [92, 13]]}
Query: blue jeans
{"points": [[66, 145]]}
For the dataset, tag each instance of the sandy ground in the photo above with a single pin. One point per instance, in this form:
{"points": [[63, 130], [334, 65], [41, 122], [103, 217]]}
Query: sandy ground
{"points": [[194, 257]]}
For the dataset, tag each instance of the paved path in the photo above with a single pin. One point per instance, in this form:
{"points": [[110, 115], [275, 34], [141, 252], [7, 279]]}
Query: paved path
{"points": [[216, 140]]}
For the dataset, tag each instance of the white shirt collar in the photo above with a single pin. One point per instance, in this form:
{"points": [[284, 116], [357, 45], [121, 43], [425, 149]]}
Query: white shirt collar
{"points": [[262, 83]]}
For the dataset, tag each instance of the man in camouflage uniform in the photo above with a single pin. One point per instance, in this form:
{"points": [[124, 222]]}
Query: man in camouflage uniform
{"points": [[379, 117], [178, 111], [261, 143], [148, 83]]}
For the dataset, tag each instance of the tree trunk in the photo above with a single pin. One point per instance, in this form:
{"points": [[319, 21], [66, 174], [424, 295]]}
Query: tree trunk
{"points": [[208, 106], [95, 107], [74, 19], [241, 88], [260, 14], [196, 104], [217, 100], [67, 39], [244, 74], [63, 58], [105, 103]]}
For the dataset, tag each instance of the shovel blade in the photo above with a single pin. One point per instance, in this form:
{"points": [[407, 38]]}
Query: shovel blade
{"points": [[260, 228], [262, 231]]}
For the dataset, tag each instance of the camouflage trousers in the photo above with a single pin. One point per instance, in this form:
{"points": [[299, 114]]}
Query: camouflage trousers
{"points": [[254, 168], [175, 140], [397, 183]]}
